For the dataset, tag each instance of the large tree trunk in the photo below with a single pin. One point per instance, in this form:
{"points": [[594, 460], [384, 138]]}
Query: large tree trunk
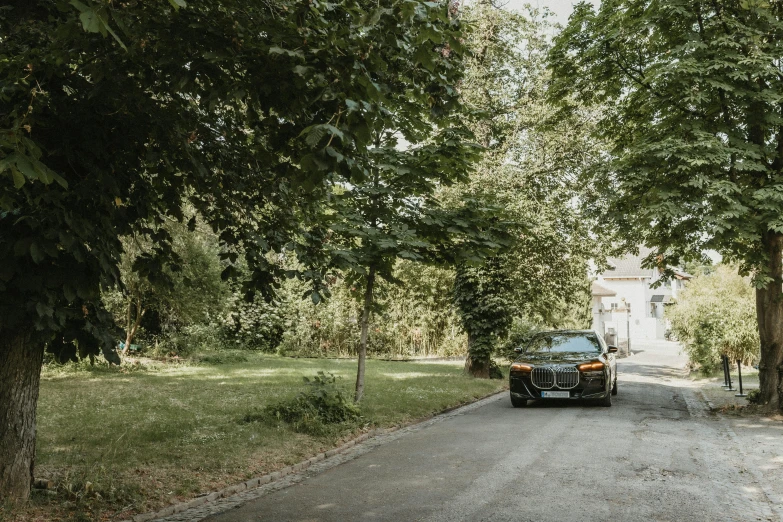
{"points": [[363, 340], [769, 311], [20, 374], [477, 362]]}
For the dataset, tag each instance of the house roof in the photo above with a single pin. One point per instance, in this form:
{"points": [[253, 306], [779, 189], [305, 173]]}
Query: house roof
{"points": [[628, 266], [631, 266], [658, 298], [681, 274], [600, 291]]}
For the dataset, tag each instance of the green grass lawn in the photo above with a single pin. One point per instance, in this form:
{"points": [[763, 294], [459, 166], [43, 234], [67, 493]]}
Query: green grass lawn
{"points": [[146, 435]]}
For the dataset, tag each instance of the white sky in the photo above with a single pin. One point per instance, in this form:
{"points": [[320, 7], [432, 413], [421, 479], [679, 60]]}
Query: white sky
{"points": [[561, 8]]}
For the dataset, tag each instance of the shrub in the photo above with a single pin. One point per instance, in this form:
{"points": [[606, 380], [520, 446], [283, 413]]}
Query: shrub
{"points": [[715, 315], [415, 318], [315, 410], [522, 329], [255, 325]]}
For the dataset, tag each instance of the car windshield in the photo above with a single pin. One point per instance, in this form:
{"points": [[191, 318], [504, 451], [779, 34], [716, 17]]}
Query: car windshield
{"points": [[559, 343]]}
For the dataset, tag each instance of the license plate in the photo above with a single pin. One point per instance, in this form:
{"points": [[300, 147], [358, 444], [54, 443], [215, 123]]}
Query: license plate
{"points": [[555, 394]]}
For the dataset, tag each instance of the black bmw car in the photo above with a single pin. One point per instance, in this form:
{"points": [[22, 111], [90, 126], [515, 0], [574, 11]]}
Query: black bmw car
{"points": [[564, 364]]}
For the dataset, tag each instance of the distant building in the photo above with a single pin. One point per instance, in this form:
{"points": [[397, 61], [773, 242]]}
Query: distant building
{"points": [[625, 304]]}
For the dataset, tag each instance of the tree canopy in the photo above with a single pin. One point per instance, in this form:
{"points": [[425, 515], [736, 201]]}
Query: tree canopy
{"points": [[118, 116], [531, 170], [690, 94]]}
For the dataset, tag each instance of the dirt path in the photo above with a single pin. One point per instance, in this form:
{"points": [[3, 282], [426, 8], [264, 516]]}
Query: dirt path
{"points": [[657, 454]]}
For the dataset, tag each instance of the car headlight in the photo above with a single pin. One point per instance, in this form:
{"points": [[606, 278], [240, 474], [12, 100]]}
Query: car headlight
{"points": [[518, 367], [596, 366]]}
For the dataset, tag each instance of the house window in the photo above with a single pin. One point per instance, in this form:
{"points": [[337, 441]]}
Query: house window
{"points": [[653, 309], [614, 306]]}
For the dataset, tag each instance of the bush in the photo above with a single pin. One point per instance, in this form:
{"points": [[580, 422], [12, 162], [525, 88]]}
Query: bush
{"points": [[415, 318], [256, 325], [315, 410], [716, 315], [180, 316], [522, 329]]}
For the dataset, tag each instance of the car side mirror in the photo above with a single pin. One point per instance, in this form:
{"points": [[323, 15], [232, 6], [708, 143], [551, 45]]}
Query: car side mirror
{"points": [[612, 349], [518, 349]]}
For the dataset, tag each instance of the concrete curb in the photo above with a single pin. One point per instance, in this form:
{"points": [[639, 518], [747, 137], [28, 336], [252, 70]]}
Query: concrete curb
{"points": [[277, 475]]}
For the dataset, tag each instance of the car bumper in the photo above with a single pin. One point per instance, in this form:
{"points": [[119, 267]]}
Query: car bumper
{"points": [[594, 388]]}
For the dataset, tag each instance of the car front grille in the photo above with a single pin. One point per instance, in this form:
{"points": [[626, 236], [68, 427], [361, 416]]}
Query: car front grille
{"points": [[566, 377], [542, 378], [563, 377]]}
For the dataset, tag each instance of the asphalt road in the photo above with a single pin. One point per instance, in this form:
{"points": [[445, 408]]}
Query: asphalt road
{"points": [[656, 454]]}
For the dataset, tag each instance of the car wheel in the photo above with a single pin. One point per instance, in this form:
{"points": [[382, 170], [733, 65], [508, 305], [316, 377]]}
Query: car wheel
{"points": [[518, 403], [606, 401], [614, 388]]}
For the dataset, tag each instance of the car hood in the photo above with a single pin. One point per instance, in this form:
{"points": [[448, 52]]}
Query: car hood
{"points": [[558, 357]]}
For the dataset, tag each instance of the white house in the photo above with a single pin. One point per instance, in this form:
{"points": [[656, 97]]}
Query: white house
{"points": [[624, 304]]}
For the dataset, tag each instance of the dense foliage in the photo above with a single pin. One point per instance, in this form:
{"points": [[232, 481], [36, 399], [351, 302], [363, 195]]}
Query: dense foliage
{"points": [[117, 118], [195, 297], [690, 99], [531, 169], [715, 316], [414, 317]]}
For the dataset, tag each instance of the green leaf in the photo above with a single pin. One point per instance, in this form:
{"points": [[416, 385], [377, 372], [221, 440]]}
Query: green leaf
{"points": [[25, 166], [90, 21], [116, 37], [177, 4], [18, 178], [36, 253], [315, 136]]}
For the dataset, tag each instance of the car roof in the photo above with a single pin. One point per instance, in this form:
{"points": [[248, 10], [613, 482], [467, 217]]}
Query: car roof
{"points": [[570, 331]]}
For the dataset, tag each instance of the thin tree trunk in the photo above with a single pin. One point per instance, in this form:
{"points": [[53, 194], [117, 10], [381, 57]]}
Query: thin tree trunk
{"points": [[769, 312], [128, 316], [133, 327], [20, 375], [363, 340]]}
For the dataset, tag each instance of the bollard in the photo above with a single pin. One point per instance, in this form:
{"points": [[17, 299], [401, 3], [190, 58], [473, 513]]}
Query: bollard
{"points": [[728, 373], [725, 371], [739, 376]]}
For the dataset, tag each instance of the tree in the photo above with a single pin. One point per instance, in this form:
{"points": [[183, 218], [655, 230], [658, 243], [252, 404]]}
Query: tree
{"points": [[384, 206], [482, 294], [690, 98], [115, 117], [195, 295], [394, 213], [531, 170], [714, 316]]}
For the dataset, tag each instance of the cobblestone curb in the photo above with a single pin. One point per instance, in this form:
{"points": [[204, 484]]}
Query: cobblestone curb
{"points": [[263, 480]]}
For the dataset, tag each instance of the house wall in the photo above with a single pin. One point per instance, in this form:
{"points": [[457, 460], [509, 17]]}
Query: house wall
{"points": [[616, 322], [645, 322], [598, 319], [633, 290]]}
